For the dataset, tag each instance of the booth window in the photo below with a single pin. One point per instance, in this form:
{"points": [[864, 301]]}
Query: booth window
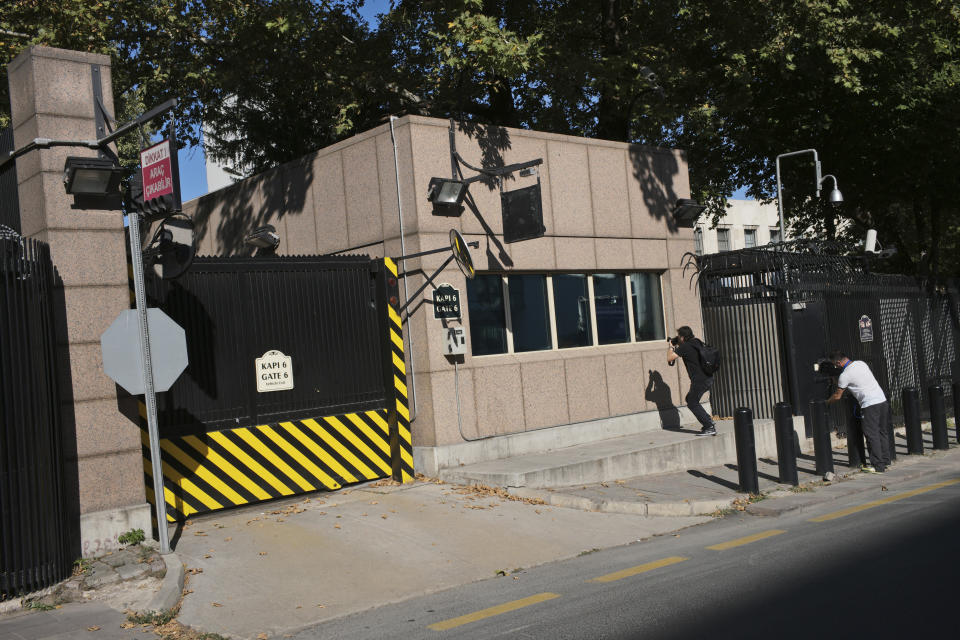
{"points": [[529, 313], [539, 312], [488, 326], [647, 300], [571, 301], [609, 299]]}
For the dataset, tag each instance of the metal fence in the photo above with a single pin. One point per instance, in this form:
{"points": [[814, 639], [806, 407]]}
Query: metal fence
{"points": [[9, 198], [33, 552], [321, 311], [775, 311]]}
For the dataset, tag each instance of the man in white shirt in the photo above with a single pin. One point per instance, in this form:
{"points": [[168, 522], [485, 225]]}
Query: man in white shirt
{"points": [[858, 378]]}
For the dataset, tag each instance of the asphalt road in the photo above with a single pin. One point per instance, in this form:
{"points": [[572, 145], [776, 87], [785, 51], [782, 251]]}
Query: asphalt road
{"points": [[889, 569]]}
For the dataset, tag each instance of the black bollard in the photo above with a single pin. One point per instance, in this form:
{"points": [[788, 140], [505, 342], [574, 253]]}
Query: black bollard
{"points": [[911, 420], [786, 456], [746, 450], [821, 437], [891, 436], [856, 453], [956, 409], [938, 418]]}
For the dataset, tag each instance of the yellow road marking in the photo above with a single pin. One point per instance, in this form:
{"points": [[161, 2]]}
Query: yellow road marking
{"points": [[643, 568], [492, 611], [746, 540], [877, 503]]}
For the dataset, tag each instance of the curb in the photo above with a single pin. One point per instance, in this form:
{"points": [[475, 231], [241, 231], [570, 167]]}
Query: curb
{"points": [[652, 509], [171, 589], [799, 503]]}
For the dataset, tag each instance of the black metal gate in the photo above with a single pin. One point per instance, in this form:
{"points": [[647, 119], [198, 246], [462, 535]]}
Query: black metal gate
{"points": [[775, 310], [33, 551], [225, 441]]}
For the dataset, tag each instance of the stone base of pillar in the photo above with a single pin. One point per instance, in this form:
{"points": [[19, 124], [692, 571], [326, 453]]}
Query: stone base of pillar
{"points": [[99, 530]]}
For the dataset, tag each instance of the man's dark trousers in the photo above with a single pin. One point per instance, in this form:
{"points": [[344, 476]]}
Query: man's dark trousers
{"points": [[698, 388], [875, 425]]}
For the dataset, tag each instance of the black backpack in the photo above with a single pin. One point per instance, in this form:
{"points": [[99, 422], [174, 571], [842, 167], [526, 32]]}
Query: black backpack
{"points": [[709, 357]]}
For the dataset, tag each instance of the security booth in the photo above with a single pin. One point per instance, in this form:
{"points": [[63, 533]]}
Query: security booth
{"points": [[579, 245]]}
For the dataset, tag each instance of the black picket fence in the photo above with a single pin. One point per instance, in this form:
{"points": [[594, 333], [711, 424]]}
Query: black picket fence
{"points": [[775, 311], [33, 545]]}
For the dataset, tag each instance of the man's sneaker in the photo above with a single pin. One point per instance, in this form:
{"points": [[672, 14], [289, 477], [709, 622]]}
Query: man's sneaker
{"points": [[867, 469], [708, 431]]}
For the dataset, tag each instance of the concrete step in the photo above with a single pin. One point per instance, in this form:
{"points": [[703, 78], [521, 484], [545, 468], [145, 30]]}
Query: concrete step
{"points": [[649, 452]]}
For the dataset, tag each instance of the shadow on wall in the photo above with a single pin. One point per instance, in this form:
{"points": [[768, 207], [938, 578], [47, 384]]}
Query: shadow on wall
{"points": [[659, 393], [256, 201], [654, 171], [493, 141]]}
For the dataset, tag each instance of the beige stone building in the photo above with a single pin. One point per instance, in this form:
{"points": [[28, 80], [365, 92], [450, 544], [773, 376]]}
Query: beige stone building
{"points": [[565, 332]]}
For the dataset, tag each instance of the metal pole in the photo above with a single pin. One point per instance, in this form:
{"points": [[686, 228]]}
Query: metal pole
{"points": [[821, 437], [911, 420], [786, 454], [746, 450], [938, 418], [783, 235], [856, 453], [890, 435], [956, 409], [150, 396]]}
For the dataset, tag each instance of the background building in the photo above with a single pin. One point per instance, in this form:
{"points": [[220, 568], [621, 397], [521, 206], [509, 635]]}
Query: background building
{"points": [[748, 223]]}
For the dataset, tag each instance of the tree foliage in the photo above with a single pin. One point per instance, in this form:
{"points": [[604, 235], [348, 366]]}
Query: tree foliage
{"points": [[871, 86]]}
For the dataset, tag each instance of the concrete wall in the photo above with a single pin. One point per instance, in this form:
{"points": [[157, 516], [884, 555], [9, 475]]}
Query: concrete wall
{"points": [[606, 207], [51, 94]]}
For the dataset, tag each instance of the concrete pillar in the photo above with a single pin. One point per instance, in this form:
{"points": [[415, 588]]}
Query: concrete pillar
{"points": [[51, 95]]}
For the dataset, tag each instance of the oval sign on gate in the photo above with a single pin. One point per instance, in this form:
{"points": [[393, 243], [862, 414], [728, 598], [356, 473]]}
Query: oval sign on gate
{"points": [[462, 254], [274, 372]]}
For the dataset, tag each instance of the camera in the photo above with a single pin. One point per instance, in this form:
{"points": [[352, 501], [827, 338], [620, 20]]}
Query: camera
{"points": [[675, 341], [826, 368]]}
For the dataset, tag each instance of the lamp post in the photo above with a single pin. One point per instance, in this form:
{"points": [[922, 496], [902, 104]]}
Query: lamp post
{"points": [[835, 196]]}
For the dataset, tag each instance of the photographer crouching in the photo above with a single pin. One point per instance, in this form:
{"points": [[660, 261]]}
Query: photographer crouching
{"points": [[686, 346]]}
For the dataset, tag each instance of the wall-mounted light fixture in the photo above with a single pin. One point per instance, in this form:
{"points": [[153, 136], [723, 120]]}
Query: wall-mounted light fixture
{"points": [[687, 212], [264, 238], [91, 176], [447, 196]]}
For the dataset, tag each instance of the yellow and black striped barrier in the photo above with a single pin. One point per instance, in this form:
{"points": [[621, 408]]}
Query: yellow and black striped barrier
{"points": [[224, 468]]}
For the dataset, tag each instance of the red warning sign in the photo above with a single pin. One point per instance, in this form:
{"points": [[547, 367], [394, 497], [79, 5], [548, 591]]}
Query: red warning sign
{"points": [[157, 170]]}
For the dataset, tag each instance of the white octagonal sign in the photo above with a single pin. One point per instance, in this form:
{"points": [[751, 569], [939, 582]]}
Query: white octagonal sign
{"points": [[123, 362]]}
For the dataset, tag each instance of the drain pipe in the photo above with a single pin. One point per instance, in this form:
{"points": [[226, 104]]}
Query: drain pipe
{"points": [[403, 267]]}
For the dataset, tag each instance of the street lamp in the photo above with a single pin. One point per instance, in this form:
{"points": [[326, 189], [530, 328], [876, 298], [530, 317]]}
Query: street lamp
{"points": [[835, 196]]}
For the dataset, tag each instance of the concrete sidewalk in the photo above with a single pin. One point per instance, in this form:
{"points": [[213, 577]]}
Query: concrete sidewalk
{"points": [[270, 570]]}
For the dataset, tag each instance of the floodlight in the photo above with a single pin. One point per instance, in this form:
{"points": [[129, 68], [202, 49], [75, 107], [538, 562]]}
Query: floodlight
{"points": [[687, 212], [446, 196], [91, 176]]}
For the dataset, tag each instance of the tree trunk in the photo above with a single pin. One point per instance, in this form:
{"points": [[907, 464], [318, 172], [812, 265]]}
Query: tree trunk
{"points": [[613, 119]]}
